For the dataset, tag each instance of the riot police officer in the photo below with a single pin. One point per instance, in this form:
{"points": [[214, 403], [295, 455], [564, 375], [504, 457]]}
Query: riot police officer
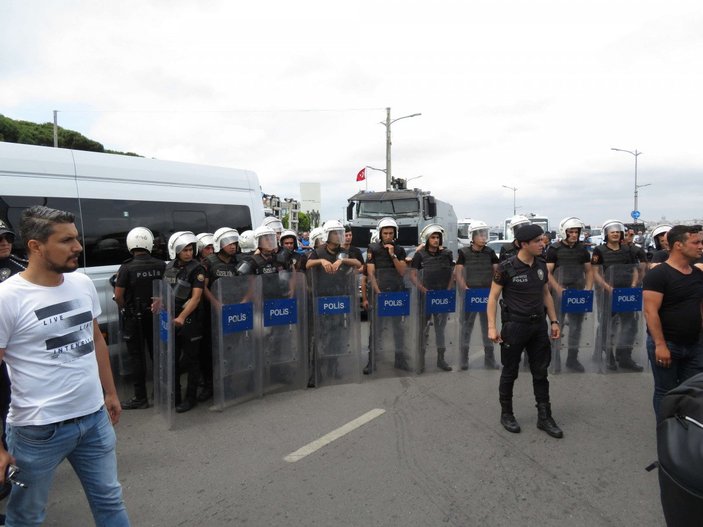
{"points": [[573, 261], [624, 260], [475, 266], [661, 245], [186, 277], [133, 291], [522, 280], [387, 255], [516, 223], [289, 243], [204, 247], [437, 265], [221, 263]]}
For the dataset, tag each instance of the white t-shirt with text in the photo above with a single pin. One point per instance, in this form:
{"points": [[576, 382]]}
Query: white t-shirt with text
{"points": [[47, 334]]}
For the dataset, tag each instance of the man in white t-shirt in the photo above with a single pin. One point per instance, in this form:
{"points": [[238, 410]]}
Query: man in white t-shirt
{"points": [[59, 367]]}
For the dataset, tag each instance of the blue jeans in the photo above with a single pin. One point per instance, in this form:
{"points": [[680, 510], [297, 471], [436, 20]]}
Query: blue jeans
{"points": [[686, 361], [89, 445]]}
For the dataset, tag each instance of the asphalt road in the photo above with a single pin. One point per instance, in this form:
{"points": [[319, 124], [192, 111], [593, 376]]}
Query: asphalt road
{"points": [[436, 455]]}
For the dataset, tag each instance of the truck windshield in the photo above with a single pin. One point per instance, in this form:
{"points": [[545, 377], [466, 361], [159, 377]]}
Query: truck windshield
{"points": [[395, 207]]}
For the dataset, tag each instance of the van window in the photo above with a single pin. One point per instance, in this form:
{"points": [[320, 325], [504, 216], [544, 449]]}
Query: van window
{"points": [[107, 222]]}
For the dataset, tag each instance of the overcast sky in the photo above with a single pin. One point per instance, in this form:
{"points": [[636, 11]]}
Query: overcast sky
{"points": [[530, 95]]}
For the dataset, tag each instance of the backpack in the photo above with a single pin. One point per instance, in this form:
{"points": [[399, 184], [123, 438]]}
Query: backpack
{"points": [[680, 453]]}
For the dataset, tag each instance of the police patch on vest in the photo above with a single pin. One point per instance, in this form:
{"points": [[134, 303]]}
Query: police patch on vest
{"points": [[4, 274], [595, 259], [201, 277], [540, 274]]}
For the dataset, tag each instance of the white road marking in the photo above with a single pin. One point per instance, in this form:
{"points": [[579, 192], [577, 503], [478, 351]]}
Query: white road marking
{"points": [[326, 439]]}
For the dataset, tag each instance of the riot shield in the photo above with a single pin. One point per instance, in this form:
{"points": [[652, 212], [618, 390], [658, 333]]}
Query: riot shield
{"points": [[120, 363], [284, 332], [476, 350], [236, 346], [620, 335], [574, 307], [439, 323], [164, 355], [336, 326], [394, 323]]}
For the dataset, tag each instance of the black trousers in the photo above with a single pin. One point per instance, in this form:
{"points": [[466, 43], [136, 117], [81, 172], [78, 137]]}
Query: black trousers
{"points": [[187, 353], [138, 334], [468, 326], [532, 337]]}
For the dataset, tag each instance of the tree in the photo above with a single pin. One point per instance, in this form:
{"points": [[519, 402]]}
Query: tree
{"points": [[303, 222]]}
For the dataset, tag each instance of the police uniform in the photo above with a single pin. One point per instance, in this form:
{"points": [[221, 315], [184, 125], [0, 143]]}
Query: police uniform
{"points": [[478, 271], [525, 327], [136, 275], [8, 266], [508, 253], [569, 261], [183, 278], [436, 267], [388, 279], [620, 267]]}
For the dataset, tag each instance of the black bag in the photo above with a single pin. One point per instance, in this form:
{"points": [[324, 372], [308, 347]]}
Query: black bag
{"points": [[680, 453]]}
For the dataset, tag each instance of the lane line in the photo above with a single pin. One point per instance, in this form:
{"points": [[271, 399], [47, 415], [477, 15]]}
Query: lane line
{"points": [[326, 439]]}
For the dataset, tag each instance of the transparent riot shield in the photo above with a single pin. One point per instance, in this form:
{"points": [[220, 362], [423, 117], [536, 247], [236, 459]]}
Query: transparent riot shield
{"points": [[620, 335], [236, 344], [574, 307], [336, 326], [284, 332], [120, 363], [394, 322], [439, 323], [476, 350], [164, 355]]}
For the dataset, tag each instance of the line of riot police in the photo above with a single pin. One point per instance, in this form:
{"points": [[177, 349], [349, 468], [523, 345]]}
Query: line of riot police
{"points": [[247, 314]]}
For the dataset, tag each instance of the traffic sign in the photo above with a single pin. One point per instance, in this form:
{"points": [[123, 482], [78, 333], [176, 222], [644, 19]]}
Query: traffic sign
{"points": [[635, 214]]}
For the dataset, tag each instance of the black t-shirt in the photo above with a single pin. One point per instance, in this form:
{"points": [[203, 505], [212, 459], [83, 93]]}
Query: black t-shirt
{"points": [[506, 254], [523, 285], [355, 253], [680, 311], [387, 277], [660, 256], [330, 283]]}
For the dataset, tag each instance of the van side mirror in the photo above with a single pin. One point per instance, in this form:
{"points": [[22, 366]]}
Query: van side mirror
{"points": [[430, 207], [350, 211]]}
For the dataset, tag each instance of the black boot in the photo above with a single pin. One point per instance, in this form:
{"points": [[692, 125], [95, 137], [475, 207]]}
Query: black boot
{"points": [[489, 360], [545, 421], [507, 419], [441, 363], [611, 365], [572, 361], [464, 362], [190, 401], [205, 392], [625, 362], [135, 403]]}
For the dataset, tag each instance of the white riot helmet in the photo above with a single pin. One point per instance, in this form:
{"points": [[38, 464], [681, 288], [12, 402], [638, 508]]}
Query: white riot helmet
{"points": [[204, 239], [613, 225], [429, 230], [274, 223], [572, 222], [315, 236], [387, 222], [290, 234], [658, 231], [140, 238], [179, 241], [478, 227], [265, 238], [333, 226], [223, 237], [247, 243], [518, 221]]}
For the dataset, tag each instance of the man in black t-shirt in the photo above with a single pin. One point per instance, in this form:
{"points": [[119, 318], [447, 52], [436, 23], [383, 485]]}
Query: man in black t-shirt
{"points": [[673, 293]]}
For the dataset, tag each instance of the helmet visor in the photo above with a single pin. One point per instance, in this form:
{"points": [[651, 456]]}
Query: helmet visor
{"points": [[230, 238], [267, 242], [335, 236], [480, 233]]}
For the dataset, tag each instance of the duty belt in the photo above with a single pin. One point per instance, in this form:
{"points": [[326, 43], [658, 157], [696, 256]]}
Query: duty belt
{"points": [[528, 319]]}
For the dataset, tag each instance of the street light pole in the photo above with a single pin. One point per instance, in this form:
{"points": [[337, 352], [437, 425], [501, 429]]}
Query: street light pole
{"points": [[514, 192], [387, 123], [636, 154]]}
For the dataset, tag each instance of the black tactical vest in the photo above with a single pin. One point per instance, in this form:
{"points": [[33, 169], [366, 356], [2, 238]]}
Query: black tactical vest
{"points": [[218, 269], [478, 267], [436, 269], [570, 261], [141, 273], [179, 280]]}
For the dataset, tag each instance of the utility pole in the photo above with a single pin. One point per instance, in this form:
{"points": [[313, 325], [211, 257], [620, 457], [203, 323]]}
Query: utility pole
{"points": [[387, 123], [56, 128]]}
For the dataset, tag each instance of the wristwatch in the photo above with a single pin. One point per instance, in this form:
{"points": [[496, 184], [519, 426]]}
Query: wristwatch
{"points": [[395, 256], [554, 322]]}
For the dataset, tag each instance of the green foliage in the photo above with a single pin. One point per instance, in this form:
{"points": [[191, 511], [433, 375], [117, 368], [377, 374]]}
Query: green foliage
{"points": [[303, 222], [28, 133]]}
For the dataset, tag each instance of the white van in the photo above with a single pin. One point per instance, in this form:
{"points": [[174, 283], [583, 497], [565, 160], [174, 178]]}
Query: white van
{"points": [[110, 194]]}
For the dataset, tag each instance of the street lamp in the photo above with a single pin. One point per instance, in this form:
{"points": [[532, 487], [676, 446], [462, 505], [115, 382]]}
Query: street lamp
{"points": [[514, 192], [387, 123], [635, 212]]}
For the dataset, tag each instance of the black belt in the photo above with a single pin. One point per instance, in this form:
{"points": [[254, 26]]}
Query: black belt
{"points": [[73, 420], [529, 319]]}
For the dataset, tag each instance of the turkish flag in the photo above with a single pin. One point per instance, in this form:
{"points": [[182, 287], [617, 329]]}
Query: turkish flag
{"points": [[361, 176]]}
